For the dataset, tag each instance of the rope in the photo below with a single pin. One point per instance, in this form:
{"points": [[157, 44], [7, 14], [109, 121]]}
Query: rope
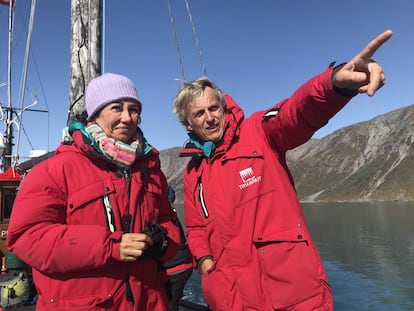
{"points": [[196, 38], [177, 42], [177, 45]]}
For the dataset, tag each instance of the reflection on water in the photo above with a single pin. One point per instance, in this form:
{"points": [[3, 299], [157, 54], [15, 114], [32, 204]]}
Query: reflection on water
{"points": [[368, 252]]}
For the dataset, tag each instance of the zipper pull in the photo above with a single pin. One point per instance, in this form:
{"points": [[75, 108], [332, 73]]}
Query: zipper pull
{"points": [[127, 174]]}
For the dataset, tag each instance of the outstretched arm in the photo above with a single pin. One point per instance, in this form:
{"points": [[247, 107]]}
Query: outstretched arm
{"points": [[362, 73]]}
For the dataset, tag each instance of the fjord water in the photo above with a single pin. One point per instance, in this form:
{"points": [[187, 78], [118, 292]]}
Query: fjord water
{"points": [[368, 252]]}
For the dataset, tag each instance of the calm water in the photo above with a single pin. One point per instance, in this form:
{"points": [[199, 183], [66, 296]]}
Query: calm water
{"points": [[368, 252]]}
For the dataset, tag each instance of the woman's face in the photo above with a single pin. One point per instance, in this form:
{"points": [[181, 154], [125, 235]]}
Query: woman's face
{"points": [[206, 117], [119, 120]]}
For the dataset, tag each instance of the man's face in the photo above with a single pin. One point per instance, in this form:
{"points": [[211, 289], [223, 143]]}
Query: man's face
{"points": [[206, 117]]}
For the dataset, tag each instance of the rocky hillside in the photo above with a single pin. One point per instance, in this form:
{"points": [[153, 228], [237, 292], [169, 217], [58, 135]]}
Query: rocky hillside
{"points": [[173, 167], [369, 161]]}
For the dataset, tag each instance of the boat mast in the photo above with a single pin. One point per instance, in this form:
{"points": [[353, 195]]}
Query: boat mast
{"points": [[9, 111], [86, 48]]}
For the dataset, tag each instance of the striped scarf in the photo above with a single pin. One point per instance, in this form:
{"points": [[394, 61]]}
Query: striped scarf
{"points": [[120, 153]]}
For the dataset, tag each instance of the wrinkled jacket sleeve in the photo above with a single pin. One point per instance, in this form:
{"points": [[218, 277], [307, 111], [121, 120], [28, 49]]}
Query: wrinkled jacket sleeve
{"points": [[39, 235], [293, 121]]}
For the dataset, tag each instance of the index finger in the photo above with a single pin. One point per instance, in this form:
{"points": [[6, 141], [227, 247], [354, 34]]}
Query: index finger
{"points": [[369, 51]]}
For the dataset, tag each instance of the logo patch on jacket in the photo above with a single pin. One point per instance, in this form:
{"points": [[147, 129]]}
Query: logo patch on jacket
{"points": [[248, 178]]}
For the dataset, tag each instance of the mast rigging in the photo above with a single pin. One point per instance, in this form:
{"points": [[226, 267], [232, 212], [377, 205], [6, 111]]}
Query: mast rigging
{"points": [[197, 42]]}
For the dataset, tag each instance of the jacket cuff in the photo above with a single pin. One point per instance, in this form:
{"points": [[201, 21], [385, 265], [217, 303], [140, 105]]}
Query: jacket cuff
{"points": [[200, 261], [115, 240], [341, 91]]}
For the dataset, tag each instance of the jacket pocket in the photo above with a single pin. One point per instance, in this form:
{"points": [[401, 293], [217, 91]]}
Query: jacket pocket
{"points": [[244, 151], [91, 203], [151, 203], [216, 290], [290, 266], [81, 303]]}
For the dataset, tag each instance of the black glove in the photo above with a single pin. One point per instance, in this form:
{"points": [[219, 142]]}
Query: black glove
{"points": [[158, 236]]}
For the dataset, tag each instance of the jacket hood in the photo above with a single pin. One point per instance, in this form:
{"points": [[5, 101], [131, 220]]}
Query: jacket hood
{"points": [[234, 118]]}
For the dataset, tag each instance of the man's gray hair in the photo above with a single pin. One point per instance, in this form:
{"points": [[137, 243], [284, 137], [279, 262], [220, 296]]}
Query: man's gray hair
{"points": [[188, 92]]}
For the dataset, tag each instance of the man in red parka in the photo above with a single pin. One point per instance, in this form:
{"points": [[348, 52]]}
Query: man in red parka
{"points": [[245, 225], [94, 220]]}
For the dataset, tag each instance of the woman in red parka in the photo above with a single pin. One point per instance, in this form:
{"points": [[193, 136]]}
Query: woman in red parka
{"points": [[245, 225], [94, 220]]}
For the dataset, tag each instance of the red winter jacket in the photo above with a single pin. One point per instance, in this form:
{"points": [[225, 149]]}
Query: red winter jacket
{"points": [[242, 209], [59, 226]]}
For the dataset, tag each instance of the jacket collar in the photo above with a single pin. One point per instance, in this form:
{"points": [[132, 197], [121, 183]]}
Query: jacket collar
{"points": [[87, 144]]}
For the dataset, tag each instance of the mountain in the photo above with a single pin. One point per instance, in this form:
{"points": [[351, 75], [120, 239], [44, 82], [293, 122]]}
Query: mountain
{"points": [[367, 161], [173, 167]]}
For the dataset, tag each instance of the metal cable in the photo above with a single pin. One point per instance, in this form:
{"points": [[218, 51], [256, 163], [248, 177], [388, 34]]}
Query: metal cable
{"points": [[196, 38], [177, 45]]}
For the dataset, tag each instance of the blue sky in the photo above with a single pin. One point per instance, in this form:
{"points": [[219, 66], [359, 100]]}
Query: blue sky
{"points": [[258, 51]]}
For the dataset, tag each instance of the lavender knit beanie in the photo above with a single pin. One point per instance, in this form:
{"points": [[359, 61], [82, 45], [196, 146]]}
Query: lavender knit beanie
{"points": [[106, 89]]}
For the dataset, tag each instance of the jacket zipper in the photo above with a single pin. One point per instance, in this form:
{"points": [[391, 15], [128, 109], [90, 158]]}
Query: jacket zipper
{"points": [[127, 217]]}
